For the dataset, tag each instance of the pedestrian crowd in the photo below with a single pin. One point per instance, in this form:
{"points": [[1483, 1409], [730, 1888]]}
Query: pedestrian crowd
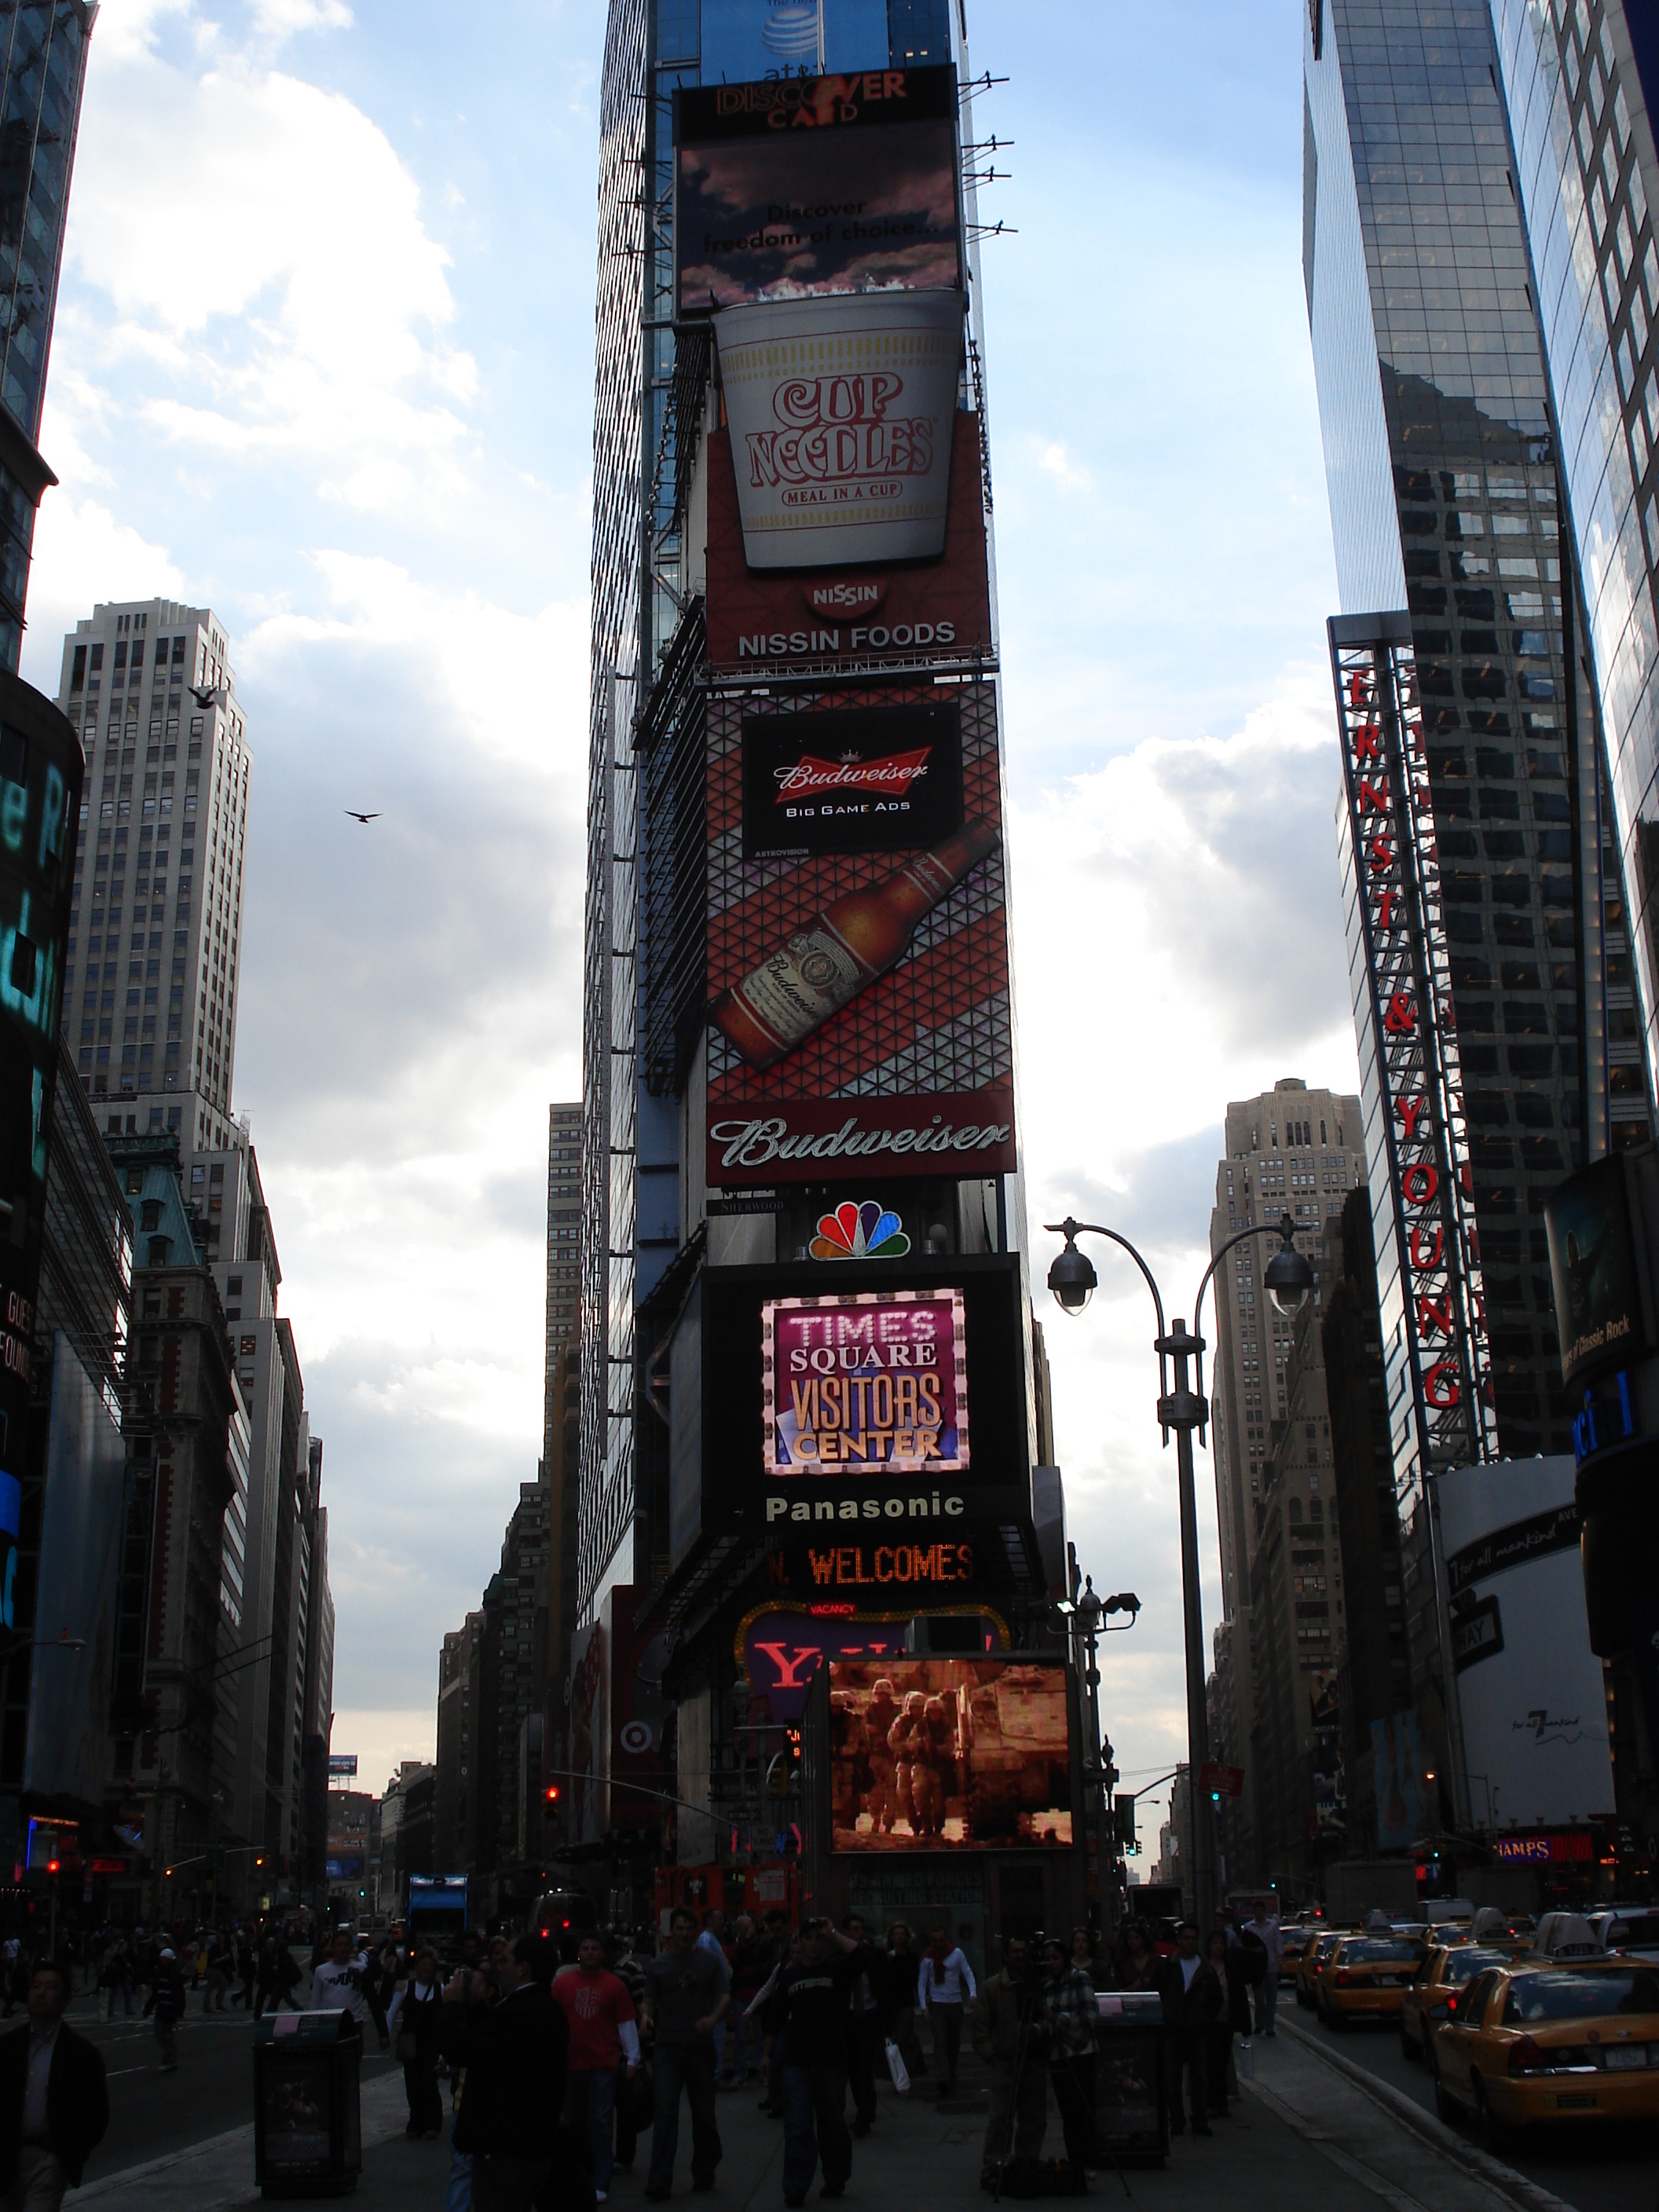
{"points": [[559, 2056]]}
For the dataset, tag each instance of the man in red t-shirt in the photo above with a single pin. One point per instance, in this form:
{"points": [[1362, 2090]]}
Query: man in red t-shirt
{"points": [[603, 2041]]}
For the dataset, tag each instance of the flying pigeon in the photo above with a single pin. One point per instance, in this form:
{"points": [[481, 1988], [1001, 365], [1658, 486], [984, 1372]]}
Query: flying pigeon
{"points": [[364, 818]]}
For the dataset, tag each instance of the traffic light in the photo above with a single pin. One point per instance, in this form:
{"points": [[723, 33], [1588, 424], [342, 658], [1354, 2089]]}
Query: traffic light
{"points": [[1123, 1821], [551, 1793]]}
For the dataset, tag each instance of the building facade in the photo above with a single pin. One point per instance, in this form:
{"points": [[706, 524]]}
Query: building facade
{"points": [[44, 43], [154, 959], [1295, 1151], [1577, 81], [1486, 927]]}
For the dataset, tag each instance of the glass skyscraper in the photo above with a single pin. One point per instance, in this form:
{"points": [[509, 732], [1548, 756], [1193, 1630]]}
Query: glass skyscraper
{"points": [[45, 67], [1443, 461], [651, 384], [1578, 77]]}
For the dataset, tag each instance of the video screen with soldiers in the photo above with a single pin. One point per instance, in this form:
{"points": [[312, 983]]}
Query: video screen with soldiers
{"points": [[940, 1754]]}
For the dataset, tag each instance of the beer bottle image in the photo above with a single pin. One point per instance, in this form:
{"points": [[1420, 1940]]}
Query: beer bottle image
{"points": [[853, 941]]}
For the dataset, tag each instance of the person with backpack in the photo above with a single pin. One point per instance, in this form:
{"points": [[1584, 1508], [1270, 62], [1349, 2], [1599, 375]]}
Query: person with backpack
{"points": [[166, 2004]]}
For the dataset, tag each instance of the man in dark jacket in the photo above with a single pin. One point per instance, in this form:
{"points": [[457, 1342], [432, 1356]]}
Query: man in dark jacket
{"points": [[1192, 1999], [514, 2053], [167, 2002], [811, 2016], [54, 2106]]}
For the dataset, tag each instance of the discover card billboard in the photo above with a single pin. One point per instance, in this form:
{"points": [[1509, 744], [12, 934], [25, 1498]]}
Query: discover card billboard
{"points": [[807, 187]]}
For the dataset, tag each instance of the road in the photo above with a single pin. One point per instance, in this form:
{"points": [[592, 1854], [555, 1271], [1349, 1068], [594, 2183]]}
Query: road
{"points": [[1604, 2170], [152, 2113]]}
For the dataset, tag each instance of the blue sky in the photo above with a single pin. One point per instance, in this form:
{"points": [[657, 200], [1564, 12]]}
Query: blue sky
{"points": [[324, 360]]}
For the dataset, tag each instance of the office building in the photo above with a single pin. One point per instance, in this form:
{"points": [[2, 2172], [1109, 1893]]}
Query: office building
{"points": [[45, 49], [461, 1768], [186, 1446], [1484, 922], [756, 1141], [154, 964], [1383, 1584], [1579, 79], [564, 1215], [1292, 1150], [1296, 1632]]}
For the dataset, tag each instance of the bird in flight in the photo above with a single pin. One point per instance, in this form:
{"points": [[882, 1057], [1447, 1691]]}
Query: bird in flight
{"points": [[365, 819]]}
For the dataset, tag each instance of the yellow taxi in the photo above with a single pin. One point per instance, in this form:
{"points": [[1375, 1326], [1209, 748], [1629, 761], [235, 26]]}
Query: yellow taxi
{"points": [[1531, 2042], [1292, 1942], [1319, 1947], [1365, 1978], [1436, 1989]]}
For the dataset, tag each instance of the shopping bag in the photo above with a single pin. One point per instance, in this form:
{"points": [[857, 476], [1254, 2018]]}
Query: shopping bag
{"points": [[897, 2068]]}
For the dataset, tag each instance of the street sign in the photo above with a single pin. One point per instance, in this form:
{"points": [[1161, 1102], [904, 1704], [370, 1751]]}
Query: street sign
{"points": [[1221, 1781]]}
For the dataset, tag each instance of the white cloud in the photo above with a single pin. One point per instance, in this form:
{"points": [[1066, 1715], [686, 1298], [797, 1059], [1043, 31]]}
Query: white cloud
{"points": [[281, 19], [256, 274]]}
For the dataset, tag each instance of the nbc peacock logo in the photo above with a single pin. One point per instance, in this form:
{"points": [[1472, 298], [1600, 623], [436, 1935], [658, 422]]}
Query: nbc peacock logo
{"points": [[866, 1231]]}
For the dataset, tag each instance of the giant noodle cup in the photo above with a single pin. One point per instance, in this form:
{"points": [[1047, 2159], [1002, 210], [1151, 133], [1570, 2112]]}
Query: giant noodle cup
{"points": [[841, 411]]}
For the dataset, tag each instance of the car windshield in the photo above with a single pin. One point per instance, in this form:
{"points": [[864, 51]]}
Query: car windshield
{"points": [[1380, 1951], [1463, 1966], [1581, 1997]]}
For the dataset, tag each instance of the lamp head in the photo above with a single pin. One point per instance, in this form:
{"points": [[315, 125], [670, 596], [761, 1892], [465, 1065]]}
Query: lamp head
{"points": [[1288, 1275], [1071, 1278], [1089, 1608]]}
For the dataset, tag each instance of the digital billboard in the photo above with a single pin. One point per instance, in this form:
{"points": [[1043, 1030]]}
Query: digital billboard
{"points": [[1529, 1689], [841, 1420], [937, 611], [1594, 1273], [40, 777], [869, 1379], [850, 779], [858, 999], [949, 1754], [794, 187]]}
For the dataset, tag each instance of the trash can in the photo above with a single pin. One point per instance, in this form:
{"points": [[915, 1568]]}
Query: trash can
{"points": [[307, 2120], [1132, 2114]]}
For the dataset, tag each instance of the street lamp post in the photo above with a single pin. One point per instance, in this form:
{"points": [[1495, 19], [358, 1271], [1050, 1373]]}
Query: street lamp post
{"points": [[1287, 1278], [1085, 1617]]}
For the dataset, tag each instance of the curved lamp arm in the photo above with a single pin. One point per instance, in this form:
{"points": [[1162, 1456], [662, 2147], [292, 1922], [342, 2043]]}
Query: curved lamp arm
{"points": [[1071, 1231], [1284, 1227]]}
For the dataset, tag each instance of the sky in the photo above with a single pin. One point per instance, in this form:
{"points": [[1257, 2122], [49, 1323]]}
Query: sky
{"points": [[324, 361]]}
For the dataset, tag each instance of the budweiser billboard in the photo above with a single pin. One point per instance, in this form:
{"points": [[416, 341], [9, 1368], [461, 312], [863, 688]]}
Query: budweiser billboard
{"points": [[841, 411], [936, 611], [795, 187], [860, 998], [848, 779]]}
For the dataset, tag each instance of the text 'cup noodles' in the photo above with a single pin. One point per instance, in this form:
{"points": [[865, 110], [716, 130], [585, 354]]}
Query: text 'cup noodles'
{"points": [[841, 412]]}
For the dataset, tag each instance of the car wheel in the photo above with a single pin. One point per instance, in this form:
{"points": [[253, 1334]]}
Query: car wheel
{"points": [[1494, 2133], [1408, 2049], [1446, 2106]]}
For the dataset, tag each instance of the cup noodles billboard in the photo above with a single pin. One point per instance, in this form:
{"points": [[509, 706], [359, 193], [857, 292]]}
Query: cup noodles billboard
{"points": [[934, 611], [841, 411], [800, 187], [859, 993], [868, 1380]]}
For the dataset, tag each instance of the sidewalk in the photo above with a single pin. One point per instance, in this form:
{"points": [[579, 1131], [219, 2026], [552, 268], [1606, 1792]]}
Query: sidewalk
{"points": [[1303, 2138]]}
